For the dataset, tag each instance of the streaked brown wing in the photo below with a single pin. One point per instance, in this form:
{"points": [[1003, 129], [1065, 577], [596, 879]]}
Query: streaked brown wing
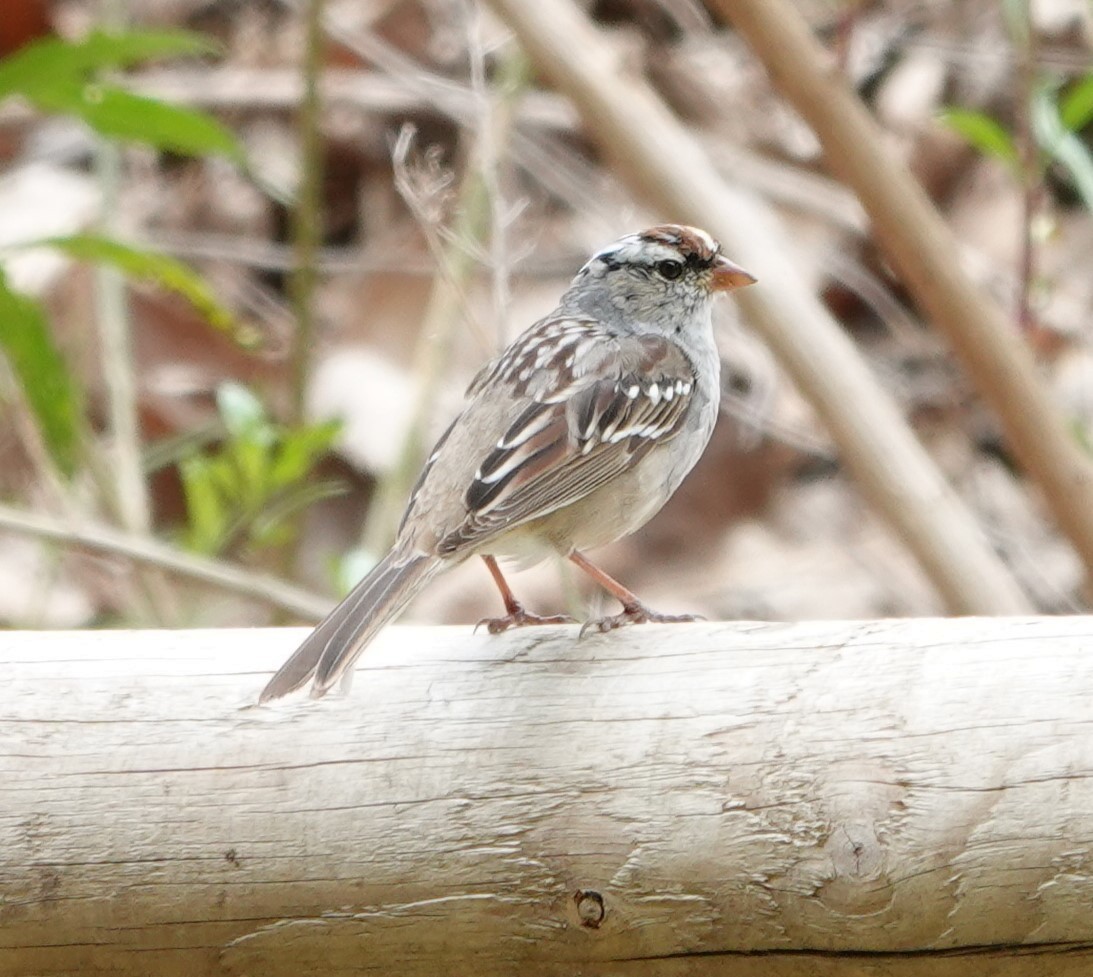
{"points": [[564, 446]]}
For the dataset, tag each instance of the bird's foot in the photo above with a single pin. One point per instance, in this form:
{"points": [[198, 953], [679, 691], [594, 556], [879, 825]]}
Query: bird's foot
{"points": [[518, 617], [634, 614]]}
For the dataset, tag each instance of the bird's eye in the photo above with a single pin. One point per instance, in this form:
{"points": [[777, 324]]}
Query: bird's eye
{"points": [[669, 269]]}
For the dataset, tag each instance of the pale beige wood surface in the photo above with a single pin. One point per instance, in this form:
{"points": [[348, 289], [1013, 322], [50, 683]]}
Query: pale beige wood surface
{"points": [[881, 798]]}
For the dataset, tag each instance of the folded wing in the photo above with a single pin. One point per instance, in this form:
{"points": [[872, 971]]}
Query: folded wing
{"points": [[585, 432]]}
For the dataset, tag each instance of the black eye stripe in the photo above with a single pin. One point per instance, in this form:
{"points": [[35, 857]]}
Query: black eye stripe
{"points": [[690, 260]]}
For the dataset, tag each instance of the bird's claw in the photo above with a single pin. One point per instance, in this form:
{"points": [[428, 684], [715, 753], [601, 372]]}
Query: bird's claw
{"points": [[521, 618], [634, 614]]}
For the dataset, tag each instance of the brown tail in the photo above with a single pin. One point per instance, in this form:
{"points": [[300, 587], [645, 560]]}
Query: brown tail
{"points": [[334, 645]]}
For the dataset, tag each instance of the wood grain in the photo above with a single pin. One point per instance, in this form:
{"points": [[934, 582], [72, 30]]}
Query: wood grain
{"points": [[876, 798]]}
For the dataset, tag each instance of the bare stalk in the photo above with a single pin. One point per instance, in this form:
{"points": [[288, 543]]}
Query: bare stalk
{"points": [[148, 551], [120, 476], [479, 211], [922, 248], [446, 307], [130, 491], [497, 106], [1031, 174]]}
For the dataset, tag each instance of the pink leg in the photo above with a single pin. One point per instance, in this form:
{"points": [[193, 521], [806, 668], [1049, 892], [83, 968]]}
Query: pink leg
{"points": [[515, 614], [633, 610]]}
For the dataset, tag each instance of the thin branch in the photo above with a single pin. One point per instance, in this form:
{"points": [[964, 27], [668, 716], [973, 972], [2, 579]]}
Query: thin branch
{"points": [[922, 248], [425, 187], [253, 252], [112, 314], [148, 551], [1023, 36], [372, 260], [249, 89], [559, 169], [497, 107], [120, 474]]}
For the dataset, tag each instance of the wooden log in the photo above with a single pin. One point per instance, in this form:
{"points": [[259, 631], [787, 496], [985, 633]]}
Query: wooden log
{"points": [[880, 798]]}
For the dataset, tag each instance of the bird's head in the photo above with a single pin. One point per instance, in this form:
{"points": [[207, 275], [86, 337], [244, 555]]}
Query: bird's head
{"points": [[657, 277]]}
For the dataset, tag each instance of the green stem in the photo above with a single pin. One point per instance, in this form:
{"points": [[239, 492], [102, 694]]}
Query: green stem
{"points": [[307, 216]]}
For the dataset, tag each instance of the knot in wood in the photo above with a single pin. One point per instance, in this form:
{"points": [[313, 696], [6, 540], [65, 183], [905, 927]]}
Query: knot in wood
{"points": [[858, 884], [590, 907]]}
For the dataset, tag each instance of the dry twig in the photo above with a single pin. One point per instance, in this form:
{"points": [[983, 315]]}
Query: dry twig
{"points": [[151, 552], [922, 248], [130, 492]]}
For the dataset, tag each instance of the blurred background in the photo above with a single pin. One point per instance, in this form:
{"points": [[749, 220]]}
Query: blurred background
{"points": [[254, 250]]}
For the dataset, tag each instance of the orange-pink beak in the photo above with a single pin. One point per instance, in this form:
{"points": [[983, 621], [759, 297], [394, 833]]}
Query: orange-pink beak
{"points": [[727, 277]]}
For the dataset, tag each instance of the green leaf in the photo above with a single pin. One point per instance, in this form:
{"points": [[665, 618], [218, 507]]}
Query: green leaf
{"points": [[300, 450], [50, 64], [207, 519], [156, 268], [118, 114], [271, 527], [1062, 145], [263, 535], [169, 451], [62, 76], [224, 474], [983, 132], [242, 413], [257, 475], [120, 49], [47, 384], [251, 457], [1076, 106]]}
